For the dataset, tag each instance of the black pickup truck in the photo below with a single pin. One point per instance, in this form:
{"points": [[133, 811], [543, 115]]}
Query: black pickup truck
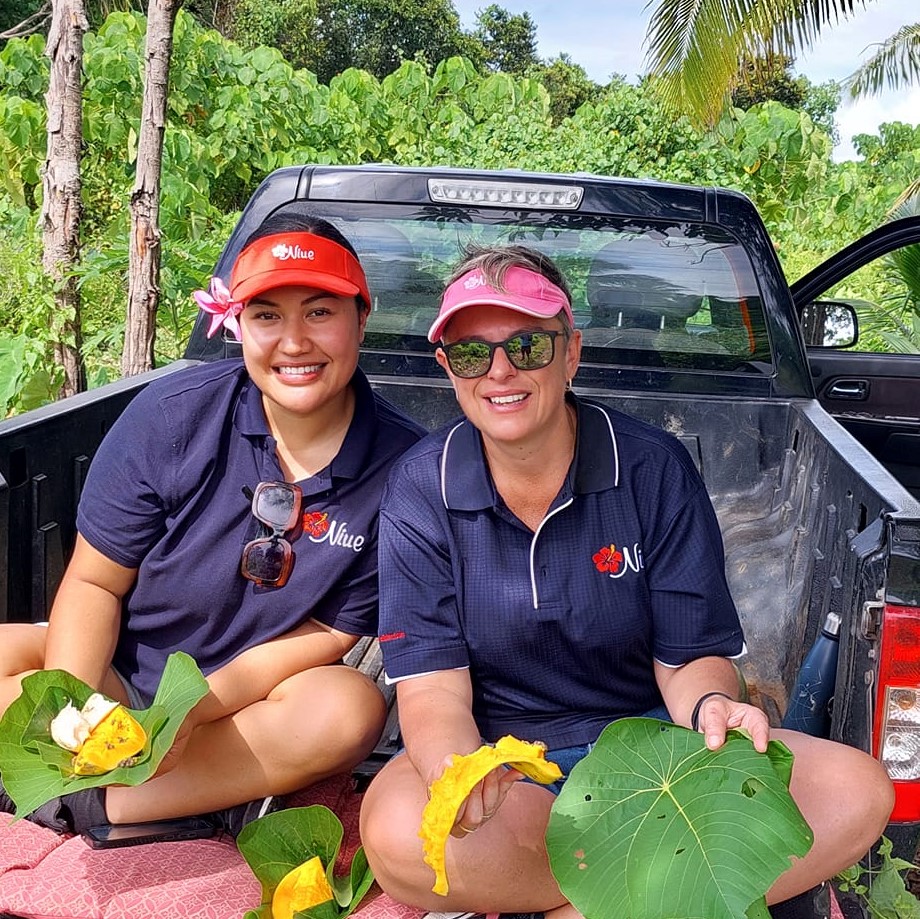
{"points": [[687, 322]]}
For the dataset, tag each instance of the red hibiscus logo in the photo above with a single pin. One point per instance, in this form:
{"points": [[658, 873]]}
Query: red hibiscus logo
{"points": [[608, 559], [315, 523]]}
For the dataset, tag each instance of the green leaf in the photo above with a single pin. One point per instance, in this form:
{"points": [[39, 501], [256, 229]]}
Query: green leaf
{"points": [[278, 843], [888, 898], [361, 878], [652, 824], [11, 367], [33, 772]]}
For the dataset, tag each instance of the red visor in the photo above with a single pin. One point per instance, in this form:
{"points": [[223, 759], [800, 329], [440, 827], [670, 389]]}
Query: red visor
{"points": [[300, 259]]}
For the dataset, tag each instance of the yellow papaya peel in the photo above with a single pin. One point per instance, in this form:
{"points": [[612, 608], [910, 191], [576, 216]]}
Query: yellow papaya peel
{"points": [[301, 888], [452, 787]]}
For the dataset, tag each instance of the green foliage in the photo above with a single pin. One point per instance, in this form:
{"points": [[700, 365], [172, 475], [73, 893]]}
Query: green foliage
{"points": [[894, 140], [882, 890], [378, 35], [14, 12], [23, 79], [509, 39], [567, 84], [28, 375], [237, 113], [765, 79], [770, 79], [652, 823], [28, 378], [23, 68], [277, 843], [287, 25], [821, 103], [785, 157]]}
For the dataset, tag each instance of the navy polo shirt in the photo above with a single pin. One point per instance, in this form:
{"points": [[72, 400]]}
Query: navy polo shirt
{"points": [[165, 495], [559, 627]]}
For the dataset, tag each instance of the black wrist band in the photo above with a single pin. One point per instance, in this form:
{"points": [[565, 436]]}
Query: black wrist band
{"points": [[695, 717]]}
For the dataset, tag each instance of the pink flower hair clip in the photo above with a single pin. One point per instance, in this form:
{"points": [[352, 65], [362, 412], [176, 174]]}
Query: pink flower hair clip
{"points": [[221, 306]]}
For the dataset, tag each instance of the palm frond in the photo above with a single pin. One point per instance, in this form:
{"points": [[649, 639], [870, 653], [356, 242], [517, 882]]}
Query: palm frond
{"points": [[694, 48], [906, 263], [693, 51], [908, 202], [894, 65], [902, 344], [790, 26]]}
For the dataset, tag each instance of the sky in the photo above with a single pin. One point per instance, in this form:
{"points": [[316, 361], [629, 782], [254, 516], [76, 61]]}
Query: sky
{"points": [[607, 37]]}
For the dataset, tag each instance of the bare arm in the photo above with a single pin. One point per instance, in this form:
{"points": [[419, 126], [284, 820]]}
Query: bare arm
{"points": [[682, 687], [86, 618], [436, 720], [254, 673], [86, 615]]}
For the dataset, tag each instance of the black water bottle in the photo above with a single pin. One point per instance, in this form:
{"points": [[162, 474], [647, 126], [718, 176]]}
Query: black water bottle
{"points": [[809, 703]]}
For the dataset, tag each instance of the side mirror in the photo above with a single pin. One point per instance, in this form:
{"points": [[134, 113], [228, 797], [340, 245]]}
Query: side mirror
{"points": [[829, 324]]}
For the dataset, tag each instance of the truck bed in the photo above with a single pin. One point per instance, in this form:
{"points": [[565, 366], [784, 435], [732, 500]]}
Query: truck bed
{"points": [[769, 465]]}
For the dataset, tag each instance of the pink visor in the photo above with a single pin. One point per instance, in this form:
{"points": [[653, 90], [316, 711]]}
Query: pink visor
{"points": [[526, 291]]}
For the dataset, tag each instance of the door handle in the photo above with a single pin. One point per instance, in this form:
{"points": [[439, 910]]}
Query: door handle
{"points": [[854, 390]]}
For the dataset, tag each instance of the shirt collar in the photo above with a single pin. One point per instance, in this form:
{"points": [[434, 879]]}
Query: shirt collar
{"points": [[467, 486], [349, 462], [597, 455], [249, 416], [354, 454]]}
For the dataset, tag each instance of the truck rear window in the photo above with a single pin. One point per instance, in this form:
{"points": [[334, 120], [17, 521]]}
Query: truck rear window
{"points": [[644, 294]]}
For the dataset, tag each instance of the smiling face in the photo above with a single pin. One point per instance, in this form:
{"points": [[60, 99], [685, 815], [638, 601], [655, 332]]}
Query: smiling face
{"points": [[300, 347], [508, 405]]}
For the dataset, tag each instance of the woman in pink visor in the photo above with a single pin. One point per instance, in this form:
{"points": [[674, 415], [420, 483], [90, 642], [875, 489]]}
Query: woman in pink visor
{"points": [[551, 565], [231, 513]]}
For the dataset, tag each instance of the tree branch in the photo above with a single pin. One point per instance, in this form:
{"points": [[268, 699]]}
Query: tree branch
{"points": [[32, 24]]}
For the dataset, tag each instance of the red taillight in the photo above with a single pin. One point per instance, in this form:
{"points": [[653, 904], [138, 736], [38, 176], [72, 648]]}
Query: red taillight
{"points": [[896, 735]]}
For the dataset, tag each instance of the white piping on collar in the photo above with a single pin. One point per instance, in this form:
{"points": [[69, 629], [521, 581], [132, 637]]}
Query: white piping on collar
{"points": [[613, 441], [533, 549], [453, 430]]}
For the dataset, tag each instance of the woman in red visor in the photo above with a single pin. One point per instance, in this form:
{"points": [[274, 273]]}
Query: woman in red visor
{"points": [[231, 513]]}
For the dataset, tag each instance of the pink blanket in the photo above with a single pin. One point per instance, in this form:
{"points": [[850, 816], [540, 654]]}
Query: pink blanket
{"points": [[46, 876]]}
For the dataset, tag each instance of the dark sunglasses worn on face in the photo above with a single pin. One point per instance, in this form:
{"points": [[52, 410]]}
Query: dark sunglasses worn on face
{"points": [[269, 560], [472, 357]]}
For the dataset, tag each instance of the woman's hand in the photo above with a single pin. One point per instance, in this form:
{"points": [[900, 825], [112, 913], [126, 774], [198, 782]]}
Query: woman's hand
{"points": [[484, 799], [718, 714], [175, 752]]}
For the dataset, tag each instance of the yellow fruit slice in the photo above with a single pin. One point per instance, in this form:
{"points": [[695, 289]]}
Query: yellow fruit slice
{"points": [[301, 888], [450, 790], [115, 739]]}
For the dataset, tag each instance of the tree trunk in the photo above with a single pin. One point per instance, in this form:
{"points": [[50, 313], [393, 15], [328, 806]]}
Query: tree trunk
{"points": [[62, 208], [144, 270]]}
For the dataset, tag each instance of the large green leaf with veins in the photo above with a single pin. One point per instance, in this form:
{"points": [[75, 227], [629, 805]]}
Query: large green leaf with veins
{"points": [[35, 769], [653, 825]]}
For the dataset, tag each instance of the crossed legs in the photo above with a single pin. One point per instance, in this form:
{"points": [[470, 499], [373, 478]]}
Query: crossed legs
{"points": [[844, 795], [314, 724]]}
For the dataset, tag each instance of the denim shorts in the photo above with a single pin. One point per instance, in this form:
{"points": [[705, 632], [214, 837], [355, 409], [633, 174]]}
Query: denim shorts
{"points": [[135, 700], [567, 757]]}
